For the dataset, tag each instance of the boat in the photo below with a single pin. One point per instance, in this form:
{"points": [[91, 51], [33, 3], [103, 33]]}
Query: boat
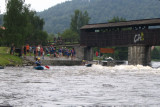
{"points": [[88, 65], [39, 68]]}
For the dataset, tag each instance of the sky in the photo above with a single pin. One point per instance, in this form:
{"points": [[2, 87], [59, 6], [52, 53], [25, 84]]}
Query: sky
{"points": [[37, 5]]}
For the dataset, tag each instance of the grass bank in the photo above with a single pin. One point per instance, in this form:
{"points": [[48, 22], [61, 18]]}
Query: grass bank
{"points": [[8, 60]]}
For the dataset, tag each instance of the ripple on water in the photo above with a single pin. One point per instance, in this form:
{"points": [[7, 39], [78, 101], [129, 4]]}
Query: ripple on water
{"points": [[80, 86]]}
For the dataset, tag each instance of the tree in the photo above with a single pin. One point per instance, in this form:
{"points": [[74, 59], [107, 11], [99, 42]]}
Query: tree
{"points": [[117, 19], [15, 22], [34, 28], [78, 20], [1, 36], [50, 37], [155, 54], [1, 19], [22, 25], [69, 34]]}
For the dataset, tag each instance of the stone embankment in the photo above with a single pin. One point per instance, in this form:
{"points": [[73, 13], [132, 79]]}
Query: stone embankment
{"points": [[27, 62], [52, 61]]}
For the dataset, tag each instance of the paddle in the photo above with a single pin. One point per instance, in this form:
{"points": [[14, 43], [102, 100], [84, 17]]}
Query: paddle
{"points": [[47, 67]]}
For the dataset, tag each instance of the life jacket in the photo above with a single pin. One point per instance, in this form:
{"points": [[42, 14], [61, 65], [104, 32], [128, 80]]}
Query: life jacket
{"points": [[38, 63]]}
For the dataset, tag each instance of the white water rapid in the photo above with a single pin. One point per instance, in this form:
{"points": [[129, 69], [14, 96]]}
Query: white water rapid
{"points": [[80, 86]]}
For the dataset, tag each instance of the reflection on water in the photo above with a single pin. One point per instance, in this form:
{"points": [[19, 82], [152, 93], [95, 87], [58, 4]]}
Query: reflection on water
{"points": [[67, 86]]}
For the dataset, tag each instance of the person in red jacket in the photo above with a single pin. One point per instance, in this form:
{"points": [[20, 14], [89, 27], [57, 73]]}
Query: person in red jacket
{"points": [[27, 48], [96, 53]]}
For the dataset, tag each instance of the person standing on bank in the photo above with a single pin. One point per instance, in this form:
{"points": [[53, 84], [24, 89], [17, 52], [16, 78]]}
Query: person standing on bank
{"points": [[27, 48], [12, 49], [38, 49], [96, 53], [73, 53], [24, 51]]}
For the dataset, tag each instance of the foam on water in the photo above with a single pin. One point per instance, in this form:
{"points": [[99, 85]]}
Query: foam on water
{"points": [[65, 86]]}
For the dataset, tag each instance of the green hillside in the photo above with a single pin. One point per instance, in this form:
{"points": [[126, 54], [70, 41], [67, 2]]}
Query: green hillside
{"points": [[57, 18]]}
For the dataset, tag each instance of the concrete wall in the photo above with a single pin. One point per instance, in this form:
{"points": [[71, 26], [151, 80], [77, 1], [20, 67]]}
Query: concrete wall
{"points": [[79, 52], [88, 53], [84, 53], [62, 62], [139, 55]]}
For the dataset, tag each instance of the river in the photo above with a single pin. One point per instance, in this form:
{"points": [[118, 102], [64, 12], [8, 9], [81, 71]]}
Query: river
{"points": [[80, 86]]}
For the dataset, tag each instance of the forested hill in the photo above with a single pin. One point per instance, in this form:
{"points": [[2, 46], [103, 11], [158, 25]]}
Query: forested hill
{"points": [[57, 18]]}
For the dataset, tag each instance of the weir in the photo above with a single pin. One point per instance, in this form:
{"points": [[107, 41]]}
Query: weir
{"points": [[137, 35]]}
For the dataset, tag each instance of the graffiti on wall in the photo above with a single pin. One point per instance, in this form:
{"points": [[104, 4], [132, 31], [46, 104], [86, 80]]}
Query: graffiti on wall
{"points": [[139, 37]]}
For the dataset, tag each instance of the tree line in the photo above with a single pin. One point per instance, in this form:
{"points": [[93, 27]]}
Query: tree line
{"points": [[22, 25]]}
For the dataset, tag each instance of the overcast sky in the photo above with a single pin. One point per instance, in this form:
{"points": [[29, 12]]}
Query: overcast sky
{"points": [[38, 5]]}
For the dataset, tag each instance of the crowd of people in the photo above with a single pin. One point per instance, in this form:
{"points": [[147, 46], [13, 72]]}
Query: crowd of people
{"points": [[51, 51]]}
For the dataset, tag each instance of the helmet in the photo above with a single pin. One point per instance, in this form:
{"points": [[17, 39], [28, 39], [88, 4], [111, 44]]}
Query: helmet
{"points": [[38, 58]]}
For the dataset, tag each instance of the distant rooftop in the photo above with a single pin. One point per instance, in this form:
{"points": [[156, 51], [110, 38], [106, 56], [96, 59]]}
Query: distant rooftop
{"points": [[144, 22]]}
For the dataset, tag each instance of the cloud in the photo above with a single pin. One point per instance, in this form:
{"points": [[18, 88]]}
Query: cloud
{"points": [[40, 5], [37, 5], [2, 6]]}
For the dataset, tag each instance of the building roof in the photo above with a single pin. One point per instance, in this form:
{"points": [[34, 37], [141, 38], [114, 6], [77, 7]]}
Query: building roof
{"points": [[144, 22]]}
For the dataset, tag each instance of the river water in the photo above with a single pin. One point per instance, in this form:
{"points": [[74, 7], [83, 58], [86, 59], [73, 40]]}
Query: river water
{"points": [[80, 86]]}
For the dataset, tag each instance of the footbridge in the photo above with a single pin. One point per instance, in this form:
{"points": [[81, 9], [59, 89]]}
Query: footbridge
{"points": [[137, 35]]}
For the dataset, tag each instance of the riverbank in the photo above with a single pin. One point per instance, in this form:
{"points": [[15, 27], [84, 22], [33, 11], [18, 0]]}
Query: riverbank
{"points": [[8, 60], [13, 60]]}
